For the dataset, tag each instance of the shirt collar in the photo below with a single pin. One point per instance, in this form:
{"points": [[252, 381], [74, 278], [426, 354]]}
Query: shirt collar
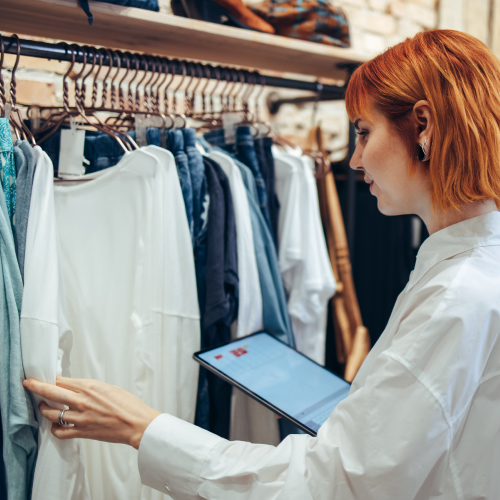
{"points": [[453, 240]]}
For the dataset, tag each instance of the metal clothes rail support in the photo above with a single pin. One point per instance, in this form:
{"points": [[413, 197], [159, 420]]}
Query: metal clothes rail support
{"points": [[66, 52]]}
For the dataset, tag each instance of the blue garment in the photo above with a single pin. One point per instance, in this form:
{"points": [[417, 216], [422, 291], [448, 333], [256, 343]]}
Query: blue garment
{"points": [[175, 144], [19, 427], [265, 157], [244, 151], [201, 203], [221, 298], [275, 314], [139, 4], [197, 172], [8, 169]]}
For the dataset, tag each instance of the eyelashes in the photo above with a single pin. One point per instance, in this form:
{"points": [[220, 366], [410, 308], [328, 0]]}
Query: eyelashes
{"points": [[362, 133]]}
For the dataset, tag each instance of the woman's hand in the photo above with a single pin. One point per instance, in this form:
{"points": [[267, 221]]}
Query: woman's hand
{"points": [[97, 410]]}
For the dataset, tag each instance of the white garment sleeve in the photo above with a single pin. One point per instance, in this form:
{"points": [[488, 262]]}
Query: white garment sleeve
{"points": [[386, 440]]}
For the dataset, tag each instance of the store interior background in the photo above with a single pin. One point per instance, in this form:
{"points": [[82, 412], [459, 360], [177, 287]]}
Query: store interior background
{"points": [[384, 248]]}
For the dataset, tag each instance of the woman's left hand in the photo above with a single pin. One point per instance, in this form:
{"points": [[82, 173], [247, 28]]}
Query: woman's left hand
{"points": [[97, 410]]}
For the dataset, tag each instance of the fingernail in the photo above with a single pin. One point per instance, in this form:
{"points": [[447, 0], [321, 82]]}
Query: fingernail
{"points": [[26, 383]]}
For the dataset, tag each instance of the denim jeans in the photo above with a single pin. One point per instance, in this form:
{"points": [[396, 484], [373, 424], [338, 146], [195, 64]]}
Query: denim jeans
{"points": [[244, 151], [266, 163], [175, 144]]}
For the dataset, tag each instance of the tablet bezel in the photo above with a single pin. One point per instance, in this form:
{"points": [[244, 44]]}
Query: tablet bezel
{"points": [[247, 391]]}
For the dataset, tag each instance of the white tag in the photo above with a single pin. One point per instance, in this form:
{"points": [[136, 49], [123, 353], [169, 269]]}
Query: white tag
{"points": [[142, 123], [229, 121], [71, 152], [8, 110], [140, 130]]}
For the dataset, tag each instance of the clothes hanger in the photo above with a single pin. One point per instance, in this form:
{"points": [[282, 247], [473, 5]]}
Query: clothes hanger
{"points": [[179, 115], [15, 118], [258, 121]]}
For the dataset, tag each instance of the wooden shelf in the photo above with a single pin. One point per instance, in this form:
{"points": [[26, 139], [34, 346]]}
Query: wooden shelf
{"points": [[171, 36]]}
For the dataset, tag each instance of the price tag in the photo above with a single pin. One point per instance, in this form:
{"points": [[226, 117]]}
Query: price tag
{"points": [[71, 151]]}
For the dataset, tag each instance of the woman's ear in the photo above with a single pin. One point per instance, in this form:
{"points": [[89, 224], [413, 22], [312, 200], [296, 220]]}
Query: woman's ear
{"points": [[424, 120]]}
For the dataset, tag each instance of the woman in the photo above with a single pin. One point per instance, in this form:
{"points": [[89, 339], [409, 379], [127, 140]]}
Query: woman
{"points": [[423, 416]]}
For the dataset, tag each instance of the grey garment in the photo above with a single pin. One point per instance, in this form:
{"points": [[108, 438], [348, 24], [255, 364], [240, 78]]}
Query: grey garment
{"points": [[19, 426], [24, 184]]}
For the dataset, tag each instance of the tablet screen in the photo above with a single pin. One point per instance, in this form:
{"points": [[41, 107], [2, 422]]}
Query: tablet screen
{"points": [[286, 380]]}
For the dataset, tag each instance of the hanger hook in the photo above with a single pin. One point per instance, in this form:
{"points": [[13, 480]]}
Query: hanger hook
{"points": [[153, 86], [131, 95], [96, 77], [137, 92], [84, 85], [65, 78], [183, 66], [13, 83], [114, 54], [104, 85], [164, 72], [121, 93], [165, 91], [76, 78]]}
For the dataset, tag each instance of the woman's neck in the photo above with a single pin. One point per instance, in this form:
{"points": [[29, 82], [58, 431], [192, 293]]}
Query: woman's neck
{"points": [[435, 221]]}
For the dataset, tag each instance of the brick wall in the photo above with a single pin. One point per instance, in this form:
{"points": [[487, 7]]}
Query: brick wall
{"points": [[375, 25]]}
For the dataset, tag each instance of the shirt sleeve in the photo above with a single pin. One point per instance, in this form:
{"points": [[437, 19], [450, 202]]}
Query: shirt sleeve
{"points": [[386, 440]]}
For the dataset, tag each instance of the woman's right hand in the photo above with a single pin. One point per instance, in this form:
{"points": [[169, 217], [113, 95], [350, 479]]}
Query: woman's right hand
{"points": [[97, 410]]}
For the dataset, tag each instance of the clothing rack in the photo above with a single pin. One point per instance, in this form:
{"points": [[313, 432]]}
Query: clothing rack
{"points": [[66, 52]]}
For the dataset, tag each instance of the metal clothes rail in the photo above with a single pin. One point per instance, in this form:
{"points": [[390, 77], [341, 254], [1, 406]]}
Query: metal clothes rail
{"points": [[66, 52], [63, 52]]}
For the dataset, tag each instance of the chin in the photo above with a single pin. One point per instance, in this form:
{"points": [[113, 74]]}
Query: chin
{"points": [[389, 210]]}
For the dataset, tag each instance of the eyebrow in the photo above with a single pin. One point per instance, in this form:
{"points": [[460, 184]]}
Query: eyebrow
{"points": [[356, 126]]}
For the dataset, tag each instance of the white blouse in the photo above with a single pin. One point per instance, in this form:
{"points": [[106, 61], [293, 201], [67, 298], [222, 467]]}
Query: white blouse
{"points": [[422, 420]]}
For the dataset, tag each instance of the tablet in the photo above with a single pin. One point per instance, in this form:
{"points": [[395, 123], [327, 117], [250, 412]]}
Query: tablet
{"points": [[279, 377]]}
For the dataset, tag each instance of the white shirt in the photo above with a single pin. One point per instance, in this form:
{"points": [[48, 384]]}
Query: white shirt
{"points": [[303, 254], [422, 420], [132, 298], [46, 339]]}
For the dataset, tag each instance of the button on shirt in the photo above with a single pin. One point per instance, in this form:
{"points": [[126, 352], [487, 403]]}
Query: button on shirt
{"points": [[422, 420]]}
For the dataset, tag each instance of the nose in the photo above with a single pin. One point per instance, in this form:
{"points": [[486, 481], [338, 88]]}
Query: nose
{"points": [[356, 162]]}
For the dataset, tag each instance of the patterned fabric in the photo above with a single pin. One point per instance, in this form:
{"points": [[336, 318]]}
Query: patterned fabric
{"points": [[8, 169], [313, 20]]}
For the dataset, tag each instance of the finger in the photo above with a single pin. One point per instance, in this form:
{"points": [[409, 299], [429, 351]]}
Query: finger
{"points": [[52, 392], [52, 414], [72, 384], [66, 432]]}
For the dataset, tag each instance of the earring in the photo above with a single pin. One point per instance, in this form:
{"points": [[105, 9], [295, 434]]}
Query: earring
{"points": [[421, 154]]}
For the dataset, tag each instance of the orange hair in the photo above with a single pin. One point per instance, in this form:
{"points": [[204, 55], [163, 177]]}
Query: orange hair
{"points": [[460, 78]]}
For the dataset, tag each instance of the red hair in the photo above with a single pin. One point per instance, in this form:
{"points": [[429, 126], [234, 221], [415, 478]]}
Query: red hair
{"points": [[460, 78]]}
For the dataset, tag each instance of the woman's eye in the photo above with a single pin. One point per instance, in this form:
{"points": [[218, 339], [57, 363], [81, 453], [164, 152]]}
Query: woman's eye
{"points": [[362, 133]]}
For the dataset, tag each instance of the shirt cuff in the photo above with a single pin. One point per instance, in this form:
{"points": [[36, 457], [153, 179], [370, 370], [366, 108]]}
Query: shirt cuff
{"points": [[171, 455]]}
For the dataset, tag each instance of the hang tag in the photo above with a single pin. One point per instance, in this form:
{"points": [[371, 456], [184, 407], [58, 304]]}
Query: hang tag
{"points": [[142, 123], [140, 130], [71, 152], [229, 121], [8, 110]]}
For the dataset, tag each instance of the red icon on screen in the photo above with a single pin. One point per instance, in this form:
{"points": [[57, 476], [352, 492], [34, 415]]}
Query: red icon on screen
{"points": [[219, 356], [239, 352]]}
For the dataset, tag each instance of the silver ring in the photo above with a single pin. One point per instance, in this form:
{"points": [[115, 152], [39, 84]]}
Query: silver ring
{"points": [[62, 423]]}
